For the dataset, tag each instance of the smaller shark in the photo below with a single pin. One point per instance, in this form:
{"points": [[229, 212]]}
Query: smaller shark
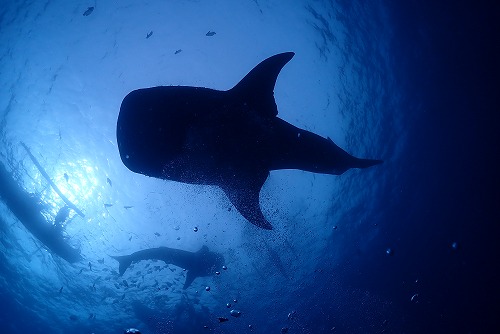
{"points": [[198, 264]]}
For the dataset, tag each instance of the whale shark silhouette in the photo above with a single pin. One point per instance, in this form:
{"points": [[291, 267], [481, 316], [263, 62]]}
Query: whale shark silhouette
{"points": [[198, 264], [231, 139]]}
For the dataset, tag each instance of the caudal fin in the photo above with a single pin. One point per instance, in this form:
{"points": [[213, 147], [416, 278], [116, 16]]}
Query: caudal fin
{"points": [[124, 261], [365, 163]]}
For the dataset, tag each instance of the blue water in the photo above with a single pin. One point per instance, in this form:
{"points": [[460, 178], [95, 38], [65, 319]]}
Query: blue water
{"points": [[405, 247]]}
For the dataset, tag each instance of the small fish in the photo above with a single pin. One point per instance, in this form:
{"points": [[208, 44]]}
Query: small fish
{"points": [[66, 177], [92, 316], [178, 51], [88, 11], [129, 239], [107, 205], [73, 317], [210, 33], [149, 34], [101, 261], [61, 289], [123, 297], [80, 271], [109, 182], [125, 283], [90, 266], [128, 207], [157, 234], [222, 319]]}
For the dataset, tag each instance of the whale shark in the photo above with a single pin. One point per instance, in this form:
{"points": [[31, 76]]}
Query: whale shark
{"points": [[231, 139], [197, 264]]}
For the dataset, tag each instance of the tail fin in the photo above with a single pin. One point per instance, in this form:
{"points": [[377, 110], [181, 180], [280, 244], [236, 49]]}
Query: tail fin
{"points": [[365, 163], [124, 261]]}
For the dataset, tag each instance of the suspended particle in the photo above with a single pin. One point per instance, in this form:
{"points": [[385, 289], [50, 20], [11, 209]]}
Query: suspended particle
{"points": [[235, 313]]}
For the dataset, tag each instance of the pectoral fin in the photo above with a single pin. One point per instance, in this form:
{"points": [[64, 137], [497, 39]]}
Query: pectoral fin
{"points": [[124, 261], [189, 279], [243, 191]]}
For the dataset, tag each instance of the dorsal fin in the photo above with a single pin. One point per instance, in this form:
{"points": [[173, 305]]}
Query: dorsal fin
{"points": [[256, 89], [203, 249]]}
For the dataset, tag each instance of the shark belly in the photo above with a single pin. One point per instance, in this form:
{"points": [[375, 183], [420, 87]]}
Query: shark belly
{"points": [[164, 135], [161, 133]]}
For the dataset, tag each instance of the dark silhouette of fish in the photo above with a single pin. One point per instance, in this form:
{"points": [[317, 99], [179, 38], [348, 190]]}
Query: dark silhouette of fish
{"points": [[88, 11], [231, 139], [210, 33], [200, 263]]}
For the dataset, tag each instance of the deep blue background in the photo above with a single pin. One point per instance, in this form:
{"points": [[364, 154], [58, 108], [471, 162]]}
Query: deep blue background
{"points": [[447, 58]]}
